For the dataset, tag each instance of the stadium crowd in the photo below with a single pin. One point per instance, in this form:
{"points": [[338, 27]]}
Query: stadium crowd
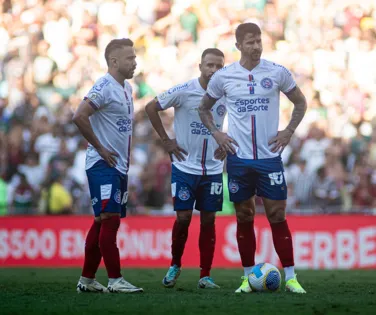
{"points": [[53, 51]]}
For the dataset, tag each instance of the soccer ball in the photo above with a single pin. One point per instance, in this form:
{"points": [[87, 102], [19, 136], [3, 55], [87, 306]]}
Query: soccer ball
{"points": [[264, 277]]}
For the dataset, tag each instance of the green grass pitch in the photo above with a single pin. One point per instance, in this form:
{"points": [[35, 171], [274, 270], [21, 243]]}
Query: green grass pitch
{"points": [[52, 291]]}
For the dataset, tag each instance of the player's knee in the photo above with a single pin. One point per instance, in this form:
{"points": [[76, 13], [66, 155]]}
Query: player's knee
{"points": [[242, 217], [277, 215], [245, 212], [184, 217]]}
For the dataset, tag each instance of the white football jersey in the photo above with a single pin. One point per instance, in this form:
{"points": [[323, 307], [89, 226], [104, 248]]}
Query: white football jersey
{"points": [[112, 120], [191, 134], [252, 102]]}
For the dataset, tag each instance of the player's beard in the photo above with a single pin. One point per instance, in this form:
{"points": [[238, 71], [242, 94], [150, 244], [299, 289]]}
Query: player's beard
{"points": [[255, 55], [127, 73]]}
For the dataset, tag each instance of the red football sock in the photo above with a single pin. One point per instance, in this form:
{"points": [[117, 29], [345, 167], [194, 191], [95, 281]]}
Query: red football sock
{"points": [[207, 246], [246, 238], [283, 243], [107, 244], [179, 238], [93, 254]]}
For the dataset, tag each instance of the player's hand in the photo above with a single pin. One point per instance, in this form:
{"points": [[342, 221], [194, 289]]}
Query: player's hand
{"points": [[280, 141], [225, 142], [108, 156], [173, 148], [220, 154]]}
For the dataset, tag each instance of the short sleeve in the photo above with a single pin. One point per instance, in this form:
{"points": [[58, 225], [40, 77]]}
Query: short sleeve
{"points": [[286, 81], [215, 88], [98, 94], [173, 97]]}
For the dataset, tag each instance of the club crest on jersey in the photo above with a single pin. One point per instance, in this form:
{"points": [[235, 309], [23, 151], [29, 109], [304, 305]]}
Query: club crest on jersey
{"points": [[251, 84], [184, 194], [267, 83], [233, 187], [221, 110], [117, 196]]}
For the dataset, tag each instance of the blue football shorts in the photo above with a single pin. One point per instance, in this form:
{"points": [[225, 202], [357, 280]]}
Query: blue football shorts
{"points": [[264, 177], [200, 192], [108, 189]]}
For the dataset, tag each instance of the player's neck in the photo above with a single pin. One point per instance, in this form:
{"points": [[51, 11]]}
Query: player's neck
{"points": [[117, 76], [248, 64], [203, 83]]}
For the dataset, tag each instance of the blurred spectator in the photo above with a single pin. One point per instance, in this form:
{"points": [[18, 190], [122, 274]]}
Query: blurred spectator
{"points": [[47, 145], [32, 170], [300, 180], [23, 197], [325, 191], [55, 198], [364, 195], [313, 149]]}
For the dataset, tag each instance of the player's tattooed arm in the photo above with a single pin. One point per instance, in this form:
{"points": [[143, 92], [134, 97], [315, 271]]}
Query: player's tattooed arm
{"points": [[224, 141], [152, 109], [300, 106], [283, 137]]}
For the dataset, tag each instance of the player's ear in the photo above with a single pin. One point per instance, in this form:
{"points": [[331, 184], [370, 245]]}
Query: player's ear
{"points": [[237, 45], [114, 62], [199, 66]]}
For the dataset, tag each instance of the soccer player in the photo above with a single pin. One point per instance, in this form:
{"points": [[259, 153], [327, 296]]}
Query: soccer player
{"points": [[105, 118], [196, 180], [252, 88]]}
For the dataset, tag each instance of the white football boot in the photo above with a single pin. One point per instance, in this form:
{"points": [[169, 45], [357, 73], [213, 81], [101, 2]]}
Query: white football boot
{"points": [[119, 285], [90, 285]]}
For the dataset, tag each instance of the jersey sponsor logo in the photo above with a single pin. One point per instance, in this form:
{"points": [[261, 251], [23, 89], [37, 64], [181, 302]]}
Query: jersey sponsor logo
{"points": [[198, 128], [252, 101], [267, 83], [252, 105], [216, 188], [276, 178], [221, 110], [117, 196], [184, 194], [233, 187], [125, 124], [100, 86], [177, 88]]}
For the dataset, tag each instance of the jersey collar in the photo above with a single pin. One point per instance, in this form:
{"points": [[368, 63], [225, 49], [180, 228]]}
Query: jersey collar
{"points": [[255, 68]]}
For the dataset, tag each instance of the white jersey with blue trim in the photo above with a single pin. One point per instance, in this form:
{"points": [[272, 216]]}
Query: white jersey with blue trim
{"points": [[191, 134], [112, 120], [252, 101]]}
